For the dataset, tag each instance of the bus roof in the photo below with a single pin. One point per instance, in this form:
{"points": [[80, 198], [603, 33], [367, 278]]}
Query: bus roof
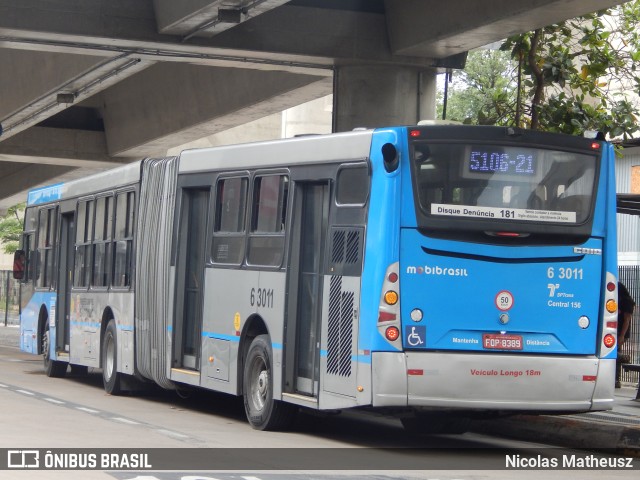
{"points": [[292, 151], [116, 177]]}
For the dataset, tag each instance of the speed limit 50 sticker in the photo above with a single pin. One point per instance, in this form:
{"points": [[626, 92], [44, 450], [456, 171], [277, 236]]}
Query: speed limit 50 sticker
{"points": [[504, 300]]}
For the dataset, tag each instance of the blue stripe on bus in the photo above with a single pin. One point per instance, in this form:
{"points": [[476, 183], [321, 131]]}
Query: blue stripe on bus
{"points": [[220, 336], [85, 324], [234, 338]]}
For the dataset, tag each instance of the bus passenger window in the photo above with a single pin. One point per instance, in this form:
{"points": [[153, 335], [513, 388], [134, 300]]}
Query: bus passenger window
{"points": [[268, 217], [84, 232], [102, 241], [352, 185], [229, 226], [123, 240], [45, 252]]}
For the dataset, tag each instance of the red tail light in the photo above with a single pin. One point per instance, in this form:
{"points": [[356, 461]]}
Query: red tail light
{"points": [[609, 340], [392, 334]]}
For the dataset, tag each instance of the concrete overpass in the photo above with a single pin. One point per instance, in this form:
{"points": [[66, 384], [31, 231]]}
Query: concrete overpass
{"points": [[89, 84]]}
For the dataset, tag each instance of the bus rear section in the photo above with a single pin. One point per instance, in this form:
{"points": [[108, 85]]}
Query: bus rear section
{"points": [[507, 271]]}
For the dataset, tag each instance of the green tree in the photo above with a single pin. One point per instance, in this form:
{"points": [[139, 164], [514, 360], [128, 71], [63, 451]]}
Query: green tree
{"points": [[484, 93], [11, 228], [578, 75]]}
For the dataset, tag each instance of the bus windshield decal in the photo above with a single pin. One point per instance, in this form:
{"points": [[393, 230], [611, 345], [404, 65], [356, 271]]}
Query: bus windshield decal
{"points": [[503, 213]]}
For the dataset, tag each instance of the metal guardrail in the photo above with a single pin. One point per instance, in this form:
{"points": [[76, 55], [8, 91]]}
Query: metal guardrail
{"points": [[630, 276], [9, 299]]}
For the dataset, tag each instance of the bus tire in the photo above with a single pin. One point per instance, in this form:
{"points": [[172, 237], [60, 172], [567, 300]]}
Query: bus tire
{"points": [[263, 412], [52, 368], [109, 352]]}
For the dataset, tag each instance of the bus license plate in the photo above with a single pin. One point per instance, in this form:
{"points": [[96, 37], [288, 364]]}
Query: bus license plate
{"points": [[502, 342]]}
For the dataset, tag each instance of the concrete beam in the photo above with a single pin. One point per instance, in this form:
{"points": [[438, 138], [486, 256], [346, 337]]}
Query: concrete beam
{"points": [[189, 18], [33, 80], [171, 104], [440, 29], [59, 146], [106, 27], [28, 75], [378, 96], [346, 37], [17, 178]]}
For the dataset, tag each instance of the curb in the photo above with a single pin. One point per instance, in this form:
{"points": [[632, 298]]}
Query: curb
{"points": [[565, 431]]}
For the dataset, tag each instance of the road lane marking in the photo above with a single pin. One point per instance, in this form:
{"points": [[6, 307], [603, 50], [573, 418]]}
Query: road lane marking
{"points": [[169, 433], [88, 410], [125, 420]]}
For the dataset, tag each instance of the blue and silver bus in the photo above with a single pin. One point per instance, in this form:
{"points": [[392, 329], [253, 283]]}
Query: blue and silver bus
{"points": [[438, 272]]}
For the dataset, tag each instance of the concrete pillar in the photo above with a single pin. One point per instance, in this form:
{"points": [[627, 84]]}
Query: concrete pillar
{"points": [[379, 96]]}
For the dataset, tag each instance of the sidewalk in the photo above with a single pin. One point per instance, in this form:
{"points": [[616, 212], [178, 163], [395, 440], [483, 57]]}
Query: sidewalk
{"points": [[9, 335], [617, 429]]}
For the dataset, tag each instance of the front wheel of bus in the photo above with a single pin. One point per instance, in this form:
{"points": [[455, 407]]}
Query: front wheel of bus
{"points": [[263, 412], [109, 352], [53, 368]]}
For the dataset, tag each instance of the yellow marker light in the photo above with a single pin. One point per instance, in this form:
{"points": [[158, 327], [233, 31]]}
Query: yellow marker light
{"points": [[612, 306], [210, 359], [391, 297]]}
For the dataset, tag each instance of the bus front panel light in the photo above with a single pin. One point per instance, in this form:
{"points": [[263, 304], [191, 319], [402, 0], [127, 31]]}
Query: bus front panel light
{"points": [[583, 322]]}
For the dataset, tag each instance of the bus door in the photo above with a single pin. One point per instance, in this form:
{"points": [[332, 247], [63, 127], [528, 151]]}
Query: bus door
{"points": [[190, 278], [306, 267], [65, 272]]}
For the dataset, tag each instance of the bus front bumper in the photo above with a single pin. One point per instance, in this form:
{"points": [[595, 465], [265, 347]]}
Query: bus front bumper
{"points": [[497, 382]]}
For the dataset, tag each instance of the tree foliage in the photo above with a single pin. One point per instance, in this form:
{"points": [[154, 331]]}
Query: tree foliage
{"points": [[484, 93], [11, 228], [577, 75]]}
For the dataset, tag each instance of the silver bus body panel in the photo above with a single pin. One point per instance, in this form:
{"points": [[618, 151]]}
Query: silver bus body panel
{"points": [[503, 382], [279, 153], [86, 315], [227, 307], [115, 178], [339, 342]]}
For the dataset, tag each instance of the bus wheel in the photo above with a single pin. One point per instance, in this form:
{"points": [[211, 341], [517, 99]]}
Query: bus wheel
{"points": [[109, 353], [263, 412], [53, 368]]}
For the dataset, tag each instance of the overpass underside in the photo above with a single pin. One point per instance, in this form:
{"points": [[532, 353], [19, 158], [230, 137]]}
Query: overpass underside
{"points": [[87, 85]]}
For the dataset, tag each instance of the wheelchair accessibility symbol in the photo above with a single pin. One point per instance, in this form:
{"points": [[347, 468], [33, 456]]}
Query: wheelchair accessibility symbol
{"points": [[415, 335]]}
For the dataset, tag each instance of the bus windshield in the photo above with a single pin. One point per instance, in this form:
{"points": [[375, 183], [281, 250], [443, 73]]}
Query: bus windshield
{"points": [[516, 183]]}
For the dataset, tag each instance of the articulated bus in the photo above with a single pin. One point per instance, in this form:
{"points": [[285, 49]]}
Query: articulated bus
{"points": [[437, 273]]}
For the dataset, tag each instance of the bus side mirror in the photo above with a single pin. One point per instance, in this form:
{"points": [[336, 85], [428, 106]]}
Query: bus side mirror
{"points": [[19, 260]]}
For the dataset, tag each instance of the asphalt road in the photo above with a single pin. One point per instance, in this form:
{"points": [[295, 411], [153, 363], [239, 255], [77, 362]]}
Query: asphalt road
{"points": [[44, 414]]}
